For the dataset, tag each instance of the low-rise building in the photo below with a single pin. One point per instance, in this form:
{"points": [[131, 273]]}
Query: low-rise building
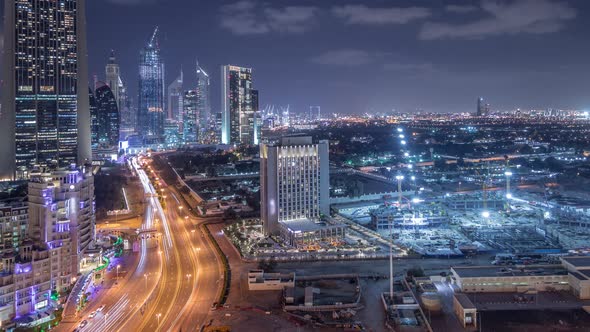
{"points": [[259, 280]]}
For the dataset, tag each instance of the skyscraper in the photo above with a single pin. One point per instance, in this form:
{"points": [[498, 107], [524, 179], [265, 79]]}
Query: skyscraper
{"points": [[238, 113], [203, 101], [257, 118], [480, 107], [151, 92], [175, 94], [119, 90], [108, 116], [294, 181], [113, 77], [314, 113], [45, 117], [190, 119]]}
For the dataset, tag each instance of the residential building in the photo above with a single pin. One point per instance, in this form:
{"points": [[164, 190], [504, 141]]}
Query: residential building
{"points": [[61, 216]]}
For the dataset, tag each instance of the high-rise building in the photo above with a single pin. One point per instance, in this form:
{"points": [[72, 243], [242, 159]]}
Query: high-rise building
{"points": [[314, 113], [175, 95], [119, 90], [113, 77], [151, 92], [294, 182], [238, 112], [172, 133], [45, 116], [481, 107], [203, 91], [190, 128], [61, 219], [108, 116], [257, 118]]}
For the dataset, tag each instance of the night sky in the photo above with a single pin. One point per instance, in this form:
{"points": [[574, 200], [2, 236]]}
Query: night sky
{"points": [[356, 56]]}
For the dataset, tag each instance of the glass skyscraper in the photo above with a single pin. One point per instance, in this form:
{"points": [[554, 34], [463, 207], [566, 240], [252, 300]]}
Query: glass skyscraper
{"points": [[45, 118], [238, 112], [203, 102], [175, 92], [190, 117], [151, 92], [108, 116]]}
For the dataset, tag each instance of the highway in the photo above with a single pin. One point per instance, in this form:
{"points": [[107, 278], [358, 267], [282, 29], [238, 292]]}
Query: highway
{"points": [[189, 283], [173, 285], [128, 294]]}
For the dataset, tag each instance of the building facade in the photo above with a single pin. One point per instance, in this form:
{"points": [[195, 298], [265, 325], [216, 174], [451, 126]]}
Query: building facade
{"points": [[108, 115], [175, 98], [151, 92], [61, 216], [119, 90], [203, 94], [48, 237], [45, 116], [238, 112], [294, 181], [190, 122]]}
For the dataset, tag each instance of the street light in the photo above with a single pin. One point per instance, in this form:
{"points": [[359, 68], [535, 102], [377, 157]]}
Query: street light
{"points": [[485, 214], [118, 266], [399, 179], [158, 316]]}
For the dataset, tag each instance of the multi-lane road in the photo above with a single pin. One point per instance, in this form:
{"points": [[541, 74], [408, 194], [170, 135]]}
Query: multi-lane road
{"points": [[176, 280]]}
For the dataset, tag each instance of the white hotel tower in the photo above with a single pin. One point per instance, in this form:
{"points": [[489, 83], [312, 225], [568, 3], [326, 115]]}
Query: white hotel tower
{"points": [[295, 184]]}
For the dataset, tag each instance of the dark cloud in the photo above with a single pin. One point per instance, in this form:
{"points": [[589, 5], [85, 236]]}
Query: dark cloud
{"points": [[250, 18], [461, 8], [521, 16], [344, 57], [361, 14]]}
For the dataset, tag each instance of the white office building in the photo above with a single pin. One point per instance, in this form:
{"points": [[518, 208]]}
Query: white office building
{"points": [[294, 182]]}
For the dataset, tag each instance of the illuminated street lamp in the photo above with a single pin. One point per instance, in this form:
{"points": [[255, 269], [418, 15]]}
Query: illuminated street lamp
{"points": [[485, 214], [399, 179], [508, 174], [118, 267], [158, 315]]}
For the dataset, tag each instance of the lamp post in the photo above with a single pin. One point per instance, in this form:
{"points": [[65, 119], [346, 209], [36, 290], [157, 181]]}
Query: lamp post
{"points": [[158, 316], [508, 175], [399, 179], [118, 266]]}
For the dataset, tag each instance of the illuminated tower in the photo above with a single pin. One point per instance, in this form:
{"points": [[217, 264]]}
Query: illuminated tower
{"points": [[238, 112], [45, 116], [203, 101], [151, 92], [175, 92]]}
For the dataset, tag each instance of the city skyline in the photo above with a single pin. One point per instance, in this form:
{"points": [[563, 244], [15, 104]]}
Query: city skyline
{"points": [[415, 70]]}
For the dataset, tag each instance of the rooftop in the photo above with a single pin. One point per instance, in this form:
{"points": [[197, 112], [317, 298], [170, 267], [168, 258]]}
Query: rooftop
{"points": [[464, 301], [304, 225], [578, 261], [497, 271]]}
